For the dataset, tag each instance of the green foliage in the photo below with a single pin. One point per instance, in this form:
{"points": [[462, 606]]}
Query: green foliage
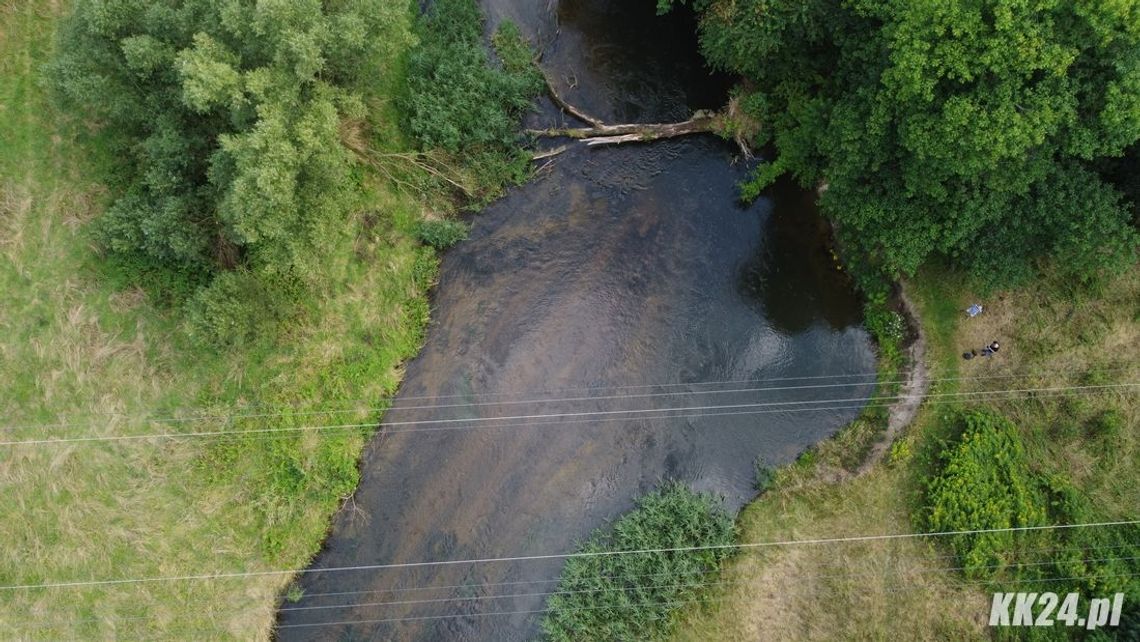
{"points": [[425, 269], [984, 483], [456, 100], [460, 107], [228, 117], [765, 475], [973, 131], [762, 178], [884, 324], [517, 56], [1094, 561], [164, 284], [236, 308], [1106, 426], [632, 597], [441, 233]]}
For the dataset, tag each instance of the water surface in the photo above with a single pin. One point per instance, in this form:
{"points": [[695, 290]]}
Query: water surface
{"points": [[619, 283]]}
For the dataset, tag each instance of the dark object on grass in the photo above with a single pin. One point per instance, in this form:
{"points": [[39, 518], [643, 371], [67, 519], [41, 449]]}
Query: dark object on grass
{"points": [[969, 355]]}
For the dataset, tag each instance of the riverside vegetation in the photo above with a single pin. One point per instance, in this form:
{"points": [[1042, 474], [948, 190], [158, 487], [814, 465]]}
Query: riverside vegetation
{"points": [[248, 230], [972, 459], [627, 597], [987, 152], [214, 218]]}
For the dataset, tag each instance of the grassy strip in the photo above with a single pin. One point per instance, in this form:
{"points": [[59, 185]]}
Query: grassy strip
{"points": [[79, 348], [1053, 334]]}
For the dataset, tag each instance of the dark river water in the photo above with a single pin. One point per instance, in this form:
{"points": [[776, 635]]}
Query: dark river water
{"points": [[620, 320]]}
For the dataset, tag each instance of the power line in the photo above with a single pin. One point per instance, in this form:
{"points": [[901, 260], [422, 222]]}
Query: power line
{"points": [[591, 413], [386, 407], [965, 584], [682, 583], [391, 397], [242, 435], [944, 569], [645, 604], [557, 556], [308, 595], [861, 401]]}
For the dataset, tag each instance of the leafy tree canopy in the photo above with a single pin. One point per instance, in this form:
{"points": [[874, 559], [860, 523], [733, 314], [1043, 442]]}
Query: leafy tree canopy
{"points": [[971, 130], [228, 113]]}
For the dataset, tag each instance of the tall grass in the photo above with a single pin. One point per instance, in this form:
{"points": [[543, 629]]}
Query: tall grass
{"points": [[81, 353], [634, 596]]}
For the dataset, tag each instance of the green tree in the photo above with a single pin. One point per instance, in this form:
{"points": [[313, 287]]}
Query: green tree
{"points": [[970, 130], [227, 115]]}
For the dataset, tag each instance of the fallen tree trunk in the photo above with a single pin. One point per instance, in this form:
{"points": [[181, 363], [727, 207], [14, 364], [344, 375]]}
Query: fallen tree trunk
{"points": [[599, 133], [602, 134]]}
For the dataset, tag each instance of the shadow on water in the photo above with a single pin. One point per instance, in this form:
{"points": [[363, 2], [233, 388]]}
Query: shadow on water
{"points": [[581, 348], [647, 66], [794, 276]]}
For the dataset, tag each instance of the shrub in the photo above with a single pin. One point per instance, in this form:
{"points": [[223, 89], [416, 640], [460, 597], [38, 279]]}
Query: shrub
{"points": [[517, 56], [1095, 561], [441, 233], [235, 308], [456, 100], [632, 597], [984, 483], [1107, 425], [765, 475], [459, 103], [887, 326], [425, 269]]}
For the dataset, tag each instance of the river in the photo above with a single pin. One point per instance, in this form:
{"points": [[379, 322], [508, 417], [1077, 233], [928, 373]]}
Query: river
{"points": [[619, 282]]}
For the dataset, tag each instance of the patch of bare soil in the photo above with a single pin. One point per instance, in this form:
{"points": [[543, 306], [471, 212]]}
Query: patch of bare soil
{"points": [[913, 391]]}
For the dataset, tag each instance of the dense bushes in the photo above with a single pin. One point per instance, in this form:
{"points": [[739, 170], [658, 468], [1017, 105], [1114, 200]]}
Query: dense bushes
{"points": [[632, 597], [235, 186], [461, 104], [441, 234], [984, 133], [456, 99], [228, 116], [984, 482]]}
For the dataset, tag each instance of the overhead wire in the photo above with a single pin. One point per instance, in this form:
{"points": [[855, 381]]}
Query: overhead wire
{"points": [[557, 556], [296, 411], [899, 572], [670, 603], [386, 426]]}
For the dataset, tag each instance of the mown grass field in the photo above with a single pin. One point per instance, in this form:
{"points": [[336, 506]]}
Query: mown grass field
{"points": [[1053, 335], [83, 353]]}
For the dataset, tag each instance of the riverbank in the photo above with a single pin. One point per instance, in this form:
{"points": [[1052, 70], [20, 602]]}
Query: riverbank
{"points": [[1054, 335], [86, 354]]}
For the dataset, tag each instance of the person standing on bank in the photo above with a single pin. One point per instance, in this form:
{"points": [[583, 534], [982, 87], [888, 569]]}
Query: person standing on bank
{"points": [[991, 349]]}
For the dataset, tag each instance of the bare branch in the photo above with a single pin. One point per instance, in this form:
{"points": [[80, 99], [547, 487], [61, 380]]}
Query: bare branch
{"points": [[567, 107], [550, 152]]}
